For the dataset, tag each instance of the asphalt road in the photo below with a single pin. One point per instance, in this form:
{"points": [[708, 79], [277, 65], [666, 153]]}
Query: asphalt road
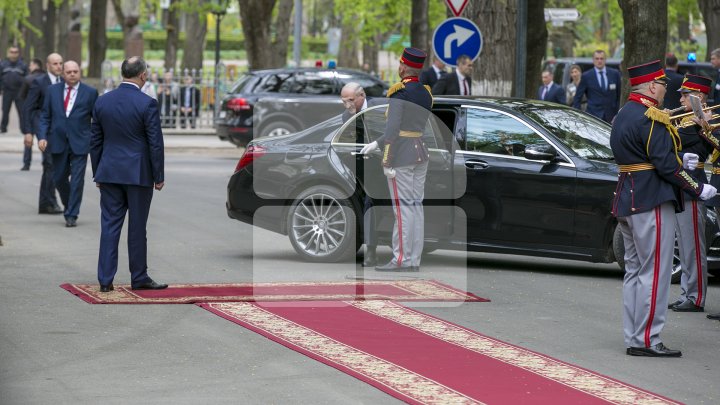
{"points": [[55, 348]]}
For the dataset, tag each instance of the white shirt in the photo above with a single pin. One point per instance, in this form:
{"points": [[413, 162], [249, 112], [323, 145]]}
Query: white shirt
{"points": [[53, 78], [438, 72], [364, 106], [73, 96], [600, 79], [461, 81]]}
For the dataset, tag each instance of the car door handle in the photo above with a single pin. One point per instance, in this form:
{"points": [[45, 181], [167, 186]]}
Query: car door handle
{"points": [[476, 164], [364, 156]]}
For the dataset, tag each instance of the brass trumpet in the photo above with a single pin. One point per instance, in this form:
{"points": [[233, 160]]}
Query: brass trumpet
{"points": [[677, 120]]}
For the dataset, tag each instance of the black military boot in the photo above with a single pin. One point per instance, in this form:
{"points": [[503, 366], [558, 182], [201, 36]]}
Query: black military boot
{"points": [[370, 259]]}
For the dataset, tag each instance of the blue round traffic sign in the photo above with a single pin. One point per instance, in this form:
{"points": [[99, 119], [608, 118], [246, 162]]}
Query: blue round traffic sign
{"points": [[454, 37]]}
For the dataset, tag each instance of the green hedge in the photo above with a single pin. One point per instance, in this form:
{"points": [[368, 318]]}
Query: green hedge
{"points": [[155, 40]]}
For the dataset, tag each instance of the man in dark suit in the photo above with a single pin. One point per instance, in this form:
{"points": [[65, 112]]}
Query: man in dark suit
{"points": [[65, 131], [458, 82], [31, 124], [549, 91], [127, 156], [715, 93], [672, 99], [36, 71], [12, 72], [431, 75], [189, 102], [601, 86]]}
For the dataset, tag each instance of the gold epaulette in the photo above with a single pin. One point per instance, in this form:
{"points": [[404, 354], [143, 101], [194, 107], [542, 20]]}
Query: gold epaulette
{"points": [[395, 88], [714, 157], [432, 101], [686, 119], [658, 115]]}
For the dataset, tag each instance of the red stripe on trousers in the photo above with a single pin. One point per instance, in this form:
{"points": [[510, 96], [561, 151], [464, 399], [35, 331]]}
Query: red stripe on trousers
{"points": [[399, 221], [697, 253], [656, 273]]}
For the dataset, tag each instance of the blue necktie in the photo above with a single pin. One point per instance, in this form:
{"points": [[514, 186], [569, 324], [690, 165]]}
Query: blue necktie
{"points": [[602, 80]]}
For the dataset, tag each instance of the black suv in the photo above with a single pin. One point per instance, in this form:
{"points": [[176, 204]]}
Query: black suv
{"points": [[561, 68], [281, 101]]}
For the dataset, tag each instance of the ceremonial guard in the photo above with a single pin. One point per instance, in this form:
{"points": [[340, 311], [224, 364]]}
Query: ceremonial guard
{"points": [[690, 223], [648, 194], [405, 160]]}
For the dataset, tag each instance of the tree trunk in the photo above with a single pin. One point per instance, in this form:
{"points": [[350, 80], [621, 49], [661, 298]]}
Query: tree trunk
{"points": [[683, 26], [419, 27], [48, 28], [642, 19], [710, 10], [63, 21], [537, 36], [34, 44], [282, 33], [256, 16], [195, 32], [370, 55], [173, 36], [348, 56], [98, 45], [494, 69]]}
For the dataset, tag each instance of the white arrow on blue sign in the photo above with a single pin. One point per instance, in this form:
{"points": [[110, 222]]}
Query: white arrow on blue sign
{"points": [[455, 37]]}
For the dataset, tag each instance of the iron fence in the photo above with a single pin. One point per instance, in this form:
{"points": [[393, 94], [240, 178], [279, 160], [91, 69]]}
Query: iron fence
{"points": [[187, 99]]}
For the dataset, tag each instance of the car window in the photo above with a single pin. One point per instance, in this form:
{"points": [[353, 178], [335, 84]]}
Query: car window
{"points": [[321, 82], [585, 135], [272, 83], [373, 88], [373, 121], [497, 133], [246, 80]]}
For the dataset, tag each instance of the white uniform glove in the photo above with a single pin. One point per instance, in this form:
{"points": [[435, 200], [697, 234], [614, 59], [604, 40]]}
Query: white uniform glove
{"points": [[369, 147], [707, 192], [690, 161], [389, 172]]}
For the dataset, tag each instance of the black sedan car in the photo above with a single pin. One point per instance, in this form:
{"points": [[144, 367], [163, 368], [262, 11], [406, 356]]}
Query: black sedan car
{"points": [[280, 101], [505, 176]]}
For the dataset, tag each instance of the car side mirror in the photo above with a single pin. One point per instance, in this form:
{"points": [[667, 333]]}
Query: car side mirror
{"points": [[540, 152]]}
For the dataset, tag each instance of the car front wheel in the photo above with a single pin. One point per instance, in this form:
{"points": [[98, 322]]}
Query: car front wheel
{"points": [[321, 225]]}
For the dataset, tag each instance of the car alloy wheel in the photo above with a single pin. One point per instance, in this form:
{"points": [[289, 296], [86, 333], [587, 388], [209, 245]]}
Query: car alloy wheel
{"points": [[321, 226]]}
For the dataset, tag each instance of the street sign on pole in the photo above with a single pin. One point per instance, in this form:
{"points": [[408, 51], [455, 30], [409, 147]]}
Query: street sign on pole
{"points": [[454, 37], [561, 14], [456, 6]]}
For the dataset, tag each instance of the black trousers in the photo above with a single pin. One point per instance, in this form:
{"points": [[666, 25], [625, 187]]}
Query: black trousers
{"points": [[9, 97], [47, 183]]}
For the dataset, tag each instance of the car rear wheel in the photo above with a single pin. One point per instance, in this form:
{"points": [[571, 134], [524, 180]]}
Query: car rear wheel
{"points": [[619, 252], [321, 225], [278, 128]]}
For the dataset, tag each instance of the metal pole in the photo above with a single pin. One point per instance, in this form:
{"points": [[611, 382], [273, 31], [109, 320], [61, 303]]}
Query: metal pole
{"points": [[521, 48], [218, 19], [297, 40]]}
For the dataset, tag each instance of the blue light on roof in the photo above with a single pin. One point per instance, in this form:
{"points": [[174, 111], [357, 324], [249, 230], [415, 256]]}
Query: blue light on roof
{"points": [[692, 57]]}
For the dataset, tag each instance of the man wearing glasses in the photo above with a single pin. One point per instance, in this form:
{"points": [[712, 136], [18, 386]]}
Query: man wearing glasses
{"points": [[12, 74], [601, 86], [648, 194]]}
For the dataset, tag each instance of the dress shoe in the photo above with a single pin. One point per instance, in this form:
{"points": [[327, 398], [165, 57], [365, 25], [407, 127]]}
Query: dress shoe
{"points": [[672, 304], [25, 168], [394, 267], [687, 306], [149, 285], [50, 210], [106, 288], [659, 350], [714, 316], [415, 268], [70, 222], [370, 259]]}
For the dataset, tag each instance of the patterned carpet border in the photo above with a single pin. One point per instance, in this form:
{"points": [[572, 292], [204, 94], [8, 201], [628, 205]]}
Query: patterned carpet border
{"points": [[365, 290], [412, 387]]}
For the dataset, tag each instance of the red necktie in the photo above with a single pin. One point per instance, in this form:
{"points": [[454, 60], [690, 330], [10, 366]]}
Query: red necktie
{"points": [[67, 98], [467, 93]]}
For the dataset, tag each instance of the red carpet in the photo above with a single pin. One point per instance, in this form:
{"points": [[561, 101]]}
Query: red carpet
{"points": [[405, 290], [422, 359]]}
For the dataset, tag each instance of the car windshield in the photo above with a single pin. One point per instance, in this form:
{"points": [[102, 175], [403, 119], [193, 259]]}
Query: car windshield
{"points": [[585, 135]]}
